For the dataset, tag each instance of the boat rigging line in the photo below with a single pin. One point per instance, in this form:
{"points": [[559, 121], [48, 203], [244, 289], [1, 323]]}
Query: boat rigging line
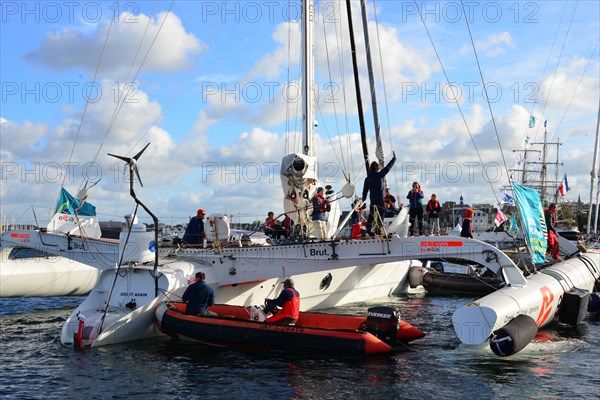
{"points": [[556, 68], [374, 108], [343, 161], [361, 118], [127, 86], [548, 60], [87, 102], [574, 92], [385, 97], [487, 97], [456, 102]]}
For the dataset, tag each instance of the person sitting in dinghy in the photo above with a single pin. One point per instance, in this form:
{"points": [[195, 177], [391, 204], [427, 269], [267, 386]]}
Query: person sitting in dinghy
{"points": [[289, 301], [199, 296]]}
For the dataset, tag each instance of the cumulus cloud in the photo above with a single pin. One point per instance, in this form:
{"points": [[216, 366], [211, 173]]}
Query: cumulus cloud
{"points": [[495, 44], [171, 51]]}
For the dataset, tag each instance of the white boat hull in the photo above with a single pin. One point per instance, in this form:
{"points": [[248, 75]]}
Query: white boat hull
{"points": [[44, 276], [539, 298], [322, 289]]}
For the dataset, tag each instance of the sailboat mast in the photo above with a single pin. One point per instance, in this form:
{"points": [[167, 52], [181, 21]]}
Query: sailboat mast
{"points": [[308, 78], [593, 182], [378, 144], [543, 169], [361, 117]]}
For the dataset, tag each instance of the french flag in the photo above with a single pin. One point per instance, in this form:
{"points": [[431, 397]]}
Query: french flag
{"points": [[564, 186], [500, 218]]}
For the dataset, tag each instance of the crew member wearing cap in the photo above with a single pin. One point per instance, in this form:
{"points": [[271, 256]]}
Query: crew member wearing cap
{"points": [[194, 233], [319, 216], [289, 301]]}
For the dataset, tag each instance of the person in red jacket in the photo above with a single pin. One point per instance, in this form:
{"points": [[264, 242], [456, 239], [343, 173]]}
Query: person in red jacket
{"points": [[467, 225], [289, 301], [550, 216], [433, 209]]}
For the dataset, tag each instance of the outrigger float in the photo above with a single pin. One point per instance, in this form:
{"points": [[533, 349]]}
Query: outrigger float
{"points": [[380, 332], [510, 317]]}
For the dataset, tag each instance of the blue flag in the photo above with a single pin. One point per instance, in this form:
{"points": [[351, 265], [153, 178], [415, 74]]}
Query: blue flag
{"points": [[532, 217], [514, 226], [67, 204], [531, 121], [507, 198]]}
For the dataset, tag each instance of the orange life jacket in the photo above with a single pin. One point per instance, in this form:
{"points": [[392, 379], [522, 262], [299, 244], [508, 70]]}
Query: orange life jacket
{"points": [[290, 309]]}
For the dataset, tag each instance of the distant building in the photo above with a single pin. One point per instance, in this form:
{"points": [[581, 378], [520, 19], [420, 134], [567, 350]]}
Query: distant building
{"points": [[453, 214]]}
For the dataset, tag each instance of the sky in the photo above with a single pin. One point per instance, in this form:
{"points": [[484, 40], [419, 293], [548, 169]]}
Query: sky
{"points": [[213, 87]]}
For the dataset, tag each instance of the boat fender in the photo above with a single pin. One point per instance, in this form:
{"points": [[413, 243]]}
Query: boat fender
{"points": [[78, 342], [382, 322], [573, 307], [514, 336], [594, 303], [415, 276]]}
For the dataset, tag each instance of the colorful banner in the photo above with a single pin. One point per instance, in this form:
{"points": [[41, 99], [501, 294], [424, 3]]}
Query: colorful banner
{"points": [[532, 217], [67, 204]]}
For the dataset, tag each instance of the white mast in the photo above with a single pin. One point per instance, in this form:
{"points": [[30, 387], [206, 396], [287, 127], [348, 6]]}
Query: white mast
{"points": [[308, 78]]}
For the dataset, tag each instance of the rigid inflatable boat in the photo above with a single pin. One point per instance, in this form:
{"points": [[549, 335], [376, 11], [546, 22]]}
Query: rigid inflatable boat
{"points": [[243, 327]]}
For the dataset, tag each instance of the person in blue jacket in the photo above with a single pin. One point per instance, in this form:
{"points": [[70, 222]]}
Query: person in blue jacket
{"points": [[194, 233], [374, 185], [415, 211], [199, 296]]}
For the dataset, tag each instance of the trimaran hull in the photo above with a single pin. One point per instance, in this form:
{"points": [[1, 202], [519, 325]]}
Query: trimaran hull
{"points": [[540, 299], [327, 274]]}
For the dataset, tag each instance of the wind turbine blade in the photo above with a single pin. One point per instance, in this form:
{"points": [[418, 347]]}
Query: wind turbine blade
{"points": [[137, 156], [135, 168], [126, 159]]}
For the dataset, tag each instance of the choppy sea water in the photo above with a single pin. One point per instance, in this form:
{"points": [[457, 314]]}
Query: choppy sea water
{"points": [[563, 363]]}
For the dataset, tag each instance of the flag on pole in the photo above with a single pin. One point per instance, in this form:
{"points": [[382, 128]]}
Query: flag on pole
{"points": [[531, 121], [508, 199], [545, 122], [564, 186], [532, 221], [500, 218], [514, 226], [520, 159]]}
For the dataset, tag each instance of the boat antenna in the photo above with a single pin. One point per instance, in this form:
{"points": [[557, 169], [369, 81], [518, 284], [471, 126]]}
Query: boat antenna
{"points": [[132, 162], [361, 117]]}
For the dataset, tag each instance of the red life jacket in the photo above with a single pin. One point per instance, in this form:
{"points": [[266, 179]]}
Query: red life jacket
{"points": [[290, 309]]}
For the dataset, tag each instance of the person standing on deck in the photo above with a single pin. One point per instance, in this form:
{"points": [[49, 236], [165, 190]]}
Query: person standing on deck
{"points": [[467, 225], [319, 216], [550, 217], [194, 232], [433, 209], [374, 185], [415, 211]]}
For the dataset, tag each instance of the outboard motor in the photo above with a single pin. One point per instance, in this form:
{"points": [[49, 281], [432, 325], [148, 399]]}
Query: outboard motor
{"points": [[382, 322]]}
